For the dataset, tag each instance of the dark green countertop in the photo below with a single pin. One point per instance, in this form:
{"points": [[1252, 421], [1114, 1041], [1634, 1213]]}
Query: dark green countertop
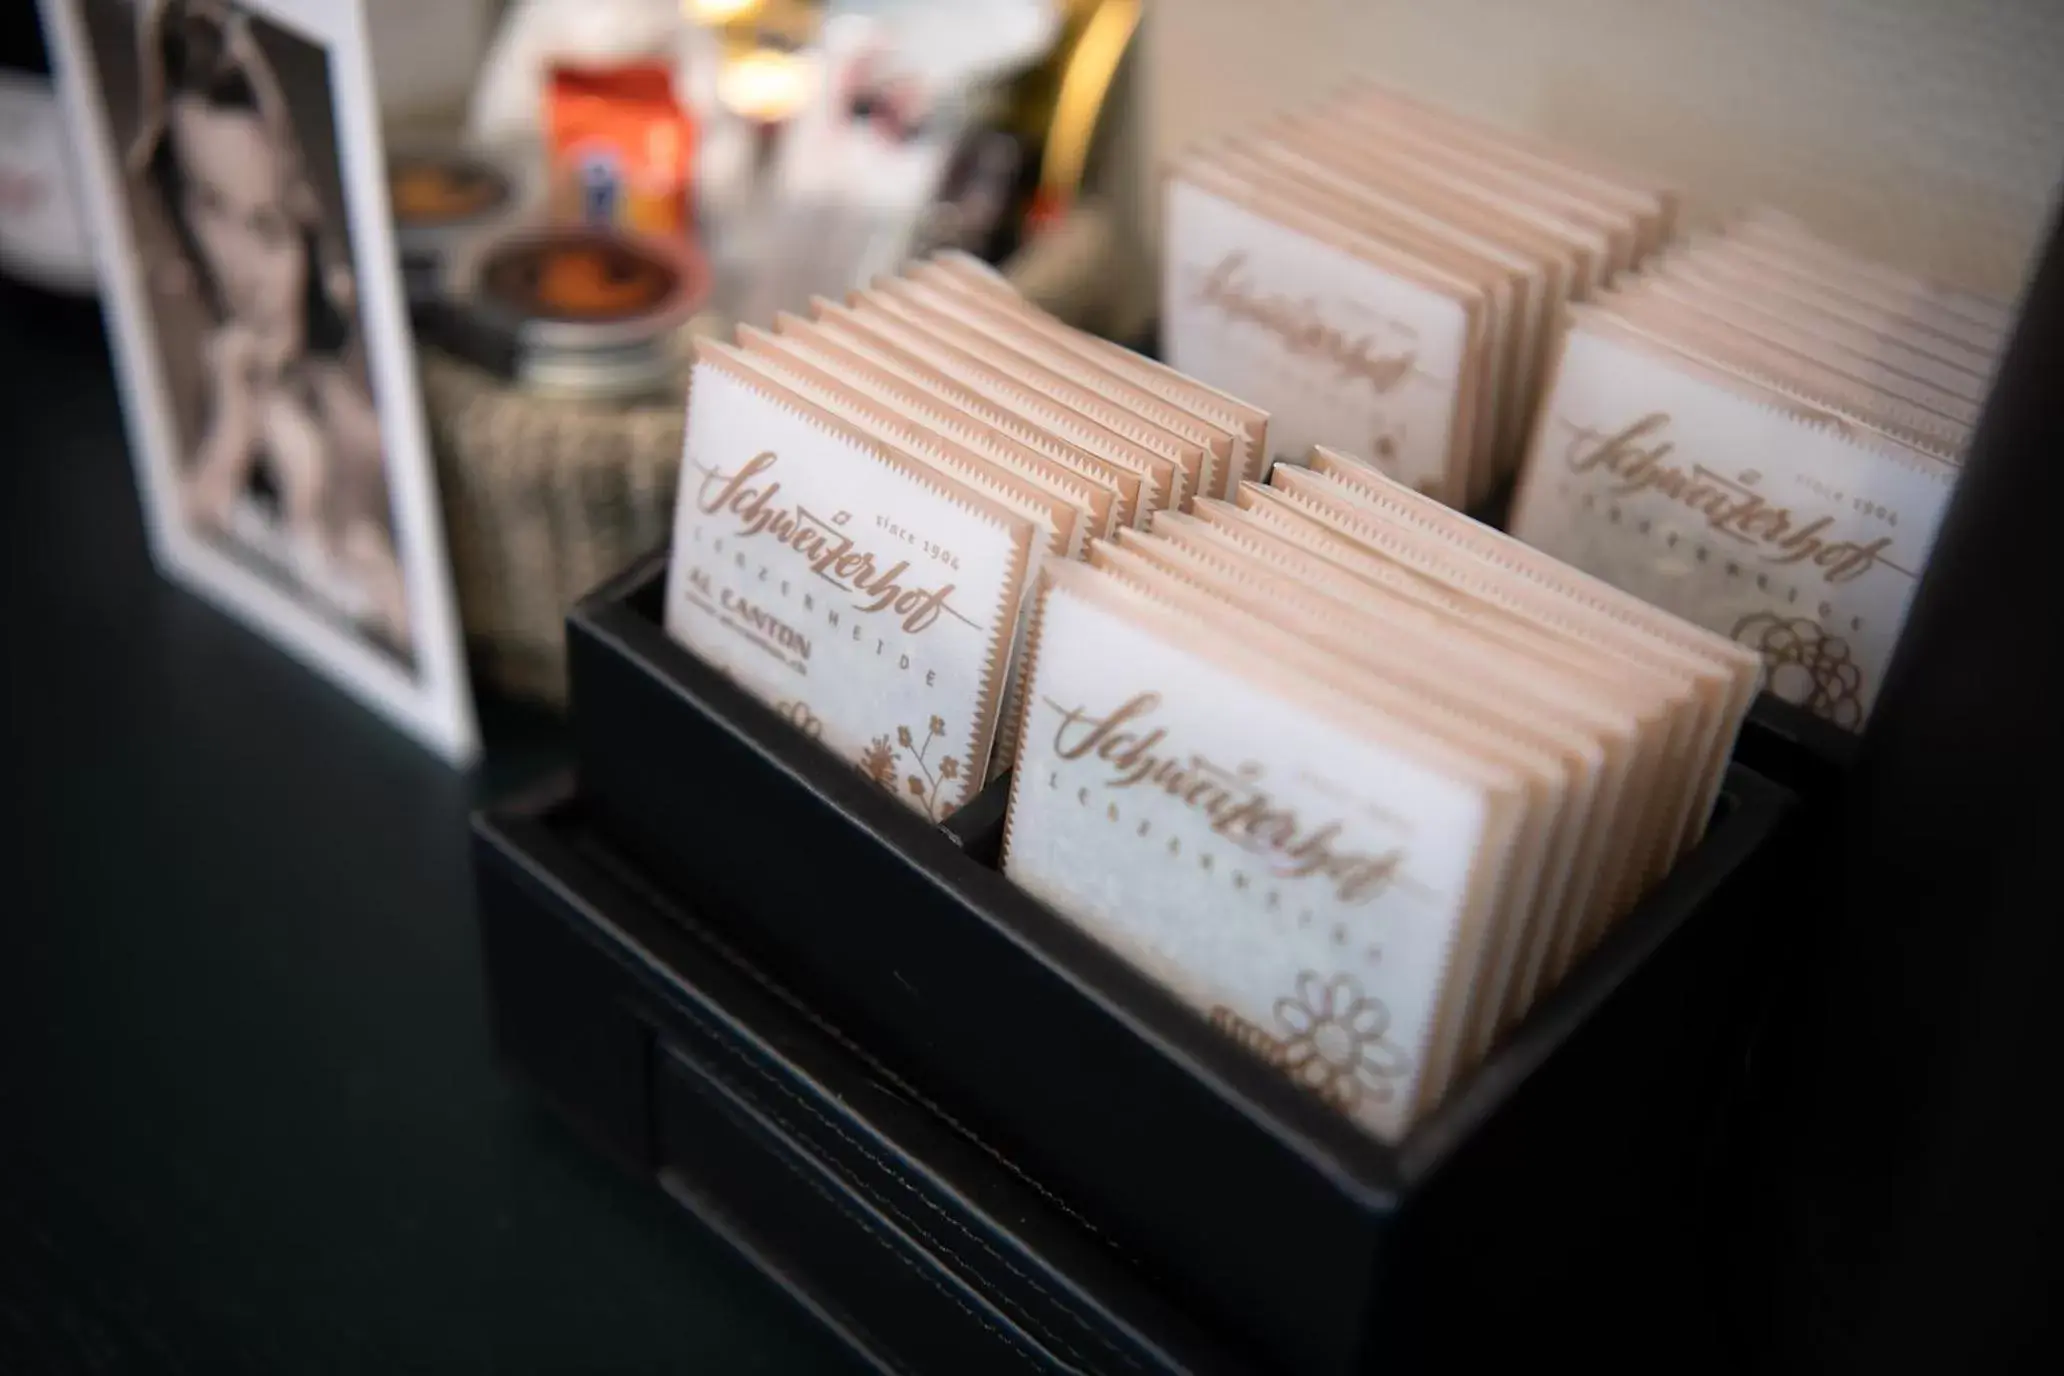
{"points": [[249, 1116]]}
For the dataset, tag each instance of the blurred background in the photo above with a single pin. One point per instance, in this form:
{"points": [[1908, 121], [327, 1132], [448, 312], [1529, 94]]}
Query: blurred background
{"points": [[776, 150], [1920, 135]]}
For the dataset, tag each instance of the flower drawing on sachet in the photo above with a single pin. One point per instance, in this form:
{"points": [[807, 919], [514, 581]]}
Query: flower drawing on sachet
{"points": [[926, 780], [1807, 665], [878, 762], [1335, 1041]]}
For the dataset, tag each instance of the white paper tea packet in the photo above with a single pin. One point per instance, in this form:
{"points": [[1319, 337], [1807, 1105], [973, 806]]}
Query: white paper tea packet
{"points": [[1767, 464], [1388, 279], [1338, 743], [868, 498]]}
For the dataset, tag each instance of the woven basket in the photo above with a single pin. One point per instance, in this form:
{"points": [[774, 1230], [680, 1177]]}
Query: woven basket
{"points": [[543, 499]]}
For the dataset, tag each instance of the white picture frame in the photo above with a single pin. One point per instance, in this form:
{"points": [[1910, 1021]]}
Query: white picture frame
{"points": [[274, 419]]}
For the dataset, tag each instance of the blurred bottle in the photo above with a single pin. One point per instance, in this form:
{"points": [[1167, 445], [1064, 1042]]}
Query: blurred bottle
{"points": [[511, 97], [620, 148]]}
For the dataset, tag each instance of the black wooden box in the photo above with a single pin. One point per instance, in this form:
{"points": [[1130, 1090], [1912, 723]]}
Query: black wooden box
{"points": [[683, 1062], [1785, 742], [1562, 1191]]}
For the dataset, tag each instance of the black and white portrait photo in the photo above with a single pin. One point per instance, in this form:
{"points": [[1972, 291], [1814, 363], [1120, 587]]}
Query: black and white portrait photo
{"points": [[249, 282]]}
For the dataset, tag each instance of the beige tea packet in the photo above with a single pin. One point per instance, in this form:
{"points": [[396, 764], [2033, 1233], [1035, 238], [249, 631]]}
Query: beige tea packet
{"points": [[868, 499], [1245, 423], [868, 597], [1389, 280], [1206, 690], [1782, 527], [1335, 867], [1342, 338]]}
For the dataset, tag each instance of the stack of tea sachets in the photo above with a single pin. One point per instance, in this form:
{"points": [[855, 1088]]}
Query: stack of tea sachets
{"points": [[1760, 433], [868, 496], [1389, 279], [1355, 776]]}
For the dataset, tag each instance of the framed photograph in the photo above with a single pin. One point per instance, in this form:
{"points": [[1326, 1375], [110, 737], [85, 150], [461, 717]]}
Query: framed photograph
{"points": [[231, 171]]}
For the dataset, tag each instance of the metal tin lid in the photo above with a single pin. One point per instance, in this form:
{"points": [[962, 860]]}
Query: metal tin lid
{"points": [[586, 310], [444, 196]]}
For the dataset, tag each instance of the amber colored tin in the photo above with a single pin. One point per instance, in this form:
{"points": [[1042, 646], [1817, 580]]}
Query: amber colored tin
{"points": [[443, 199], [586, 311]]}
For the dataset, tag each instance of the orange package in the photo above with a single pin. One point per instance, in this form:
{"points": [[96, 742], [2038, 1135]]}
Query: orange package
{"points": [[621, 147]]}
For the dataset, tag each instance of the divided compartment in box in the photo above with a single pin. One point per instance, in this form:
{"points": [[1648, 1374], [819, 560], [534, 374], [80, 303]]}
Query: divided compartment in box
{"points": [[1785, 742], [1567, 1170]]}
